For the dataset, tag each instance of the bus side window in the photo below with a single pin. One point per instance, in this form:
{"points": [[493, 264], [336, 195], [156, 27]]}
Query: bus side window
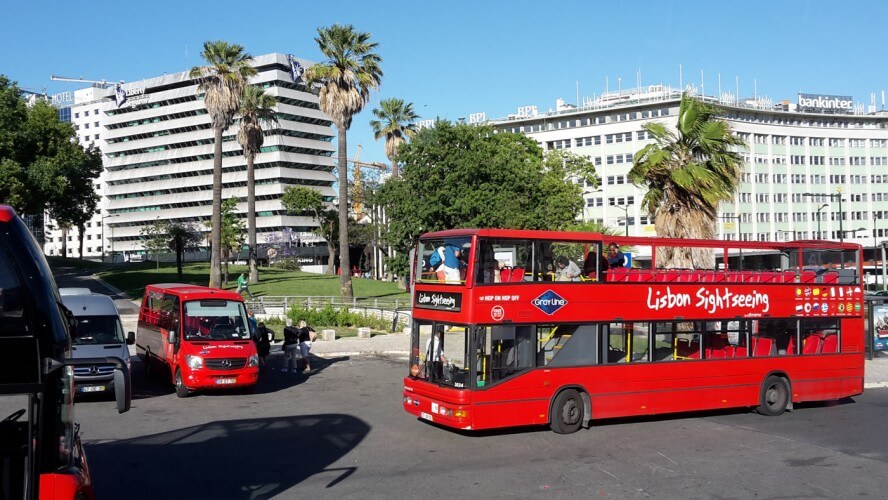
{"points": [[11, 305]]}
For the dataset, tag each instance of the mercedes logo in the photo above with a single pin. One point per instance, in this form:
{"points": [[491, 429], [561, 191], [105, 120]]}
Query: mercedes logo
{"points": [[226, 363], [93, 370]]}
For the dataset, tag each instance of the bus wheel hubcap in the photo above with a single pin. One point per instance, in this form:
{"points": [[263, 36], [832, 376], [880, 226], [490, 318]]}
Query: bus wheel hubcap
{"points": [[570, 412]]}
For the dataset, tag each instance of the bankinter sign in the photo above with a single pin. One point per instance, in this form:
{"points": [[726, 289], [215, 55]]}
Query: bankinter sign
{"points": [[827, 103]]}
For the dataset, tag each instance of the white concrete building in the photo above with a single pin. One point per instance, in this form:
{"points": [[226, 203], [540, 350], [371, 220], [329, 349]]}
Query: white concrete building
{"points": [[158, 155], [801, 157]]}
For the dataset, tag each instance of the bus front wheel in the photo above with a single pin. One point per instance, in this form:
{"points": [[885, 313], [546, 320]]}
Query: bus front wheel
{"points": [[181, 390], [774, 398], [567, 412]]}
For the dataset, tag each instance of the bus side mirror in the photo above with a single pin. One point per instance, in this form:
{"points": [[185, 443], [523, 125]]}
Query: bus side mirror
{"points": [[123, 390], [131, 338], [171, 336]]}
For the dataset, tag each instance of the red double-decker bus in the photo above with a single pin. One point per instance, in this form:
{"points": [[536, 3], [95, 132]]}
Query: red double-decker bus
{"points": [[514, 327]]}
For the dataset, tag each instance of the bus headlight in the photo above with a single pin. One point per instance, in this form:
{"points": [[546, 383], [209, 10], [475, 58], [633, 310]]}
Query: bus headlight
{"points": [[253, 361], [194, 362]]}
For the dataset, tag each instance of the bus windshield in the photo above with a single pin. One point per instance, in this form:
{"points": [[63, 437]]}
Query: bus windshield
{"points": [[439, 354], [97, 330], [215, 320]]}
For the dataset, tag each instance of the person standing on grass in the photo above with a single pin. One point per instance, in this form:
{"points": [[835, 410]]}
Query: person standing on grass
{"points": [[243, 285]]}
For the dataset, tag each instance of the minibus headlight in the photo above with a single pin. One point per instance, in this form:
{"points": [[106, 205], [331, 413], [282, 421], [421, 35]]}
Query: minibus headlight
{"points": [[253, 361], [194, 362]]}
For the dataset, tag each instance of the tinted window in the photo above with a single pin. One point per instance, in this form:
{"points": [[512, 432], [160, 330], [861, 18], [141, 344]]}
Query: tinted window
{"points": [[12, 321]]}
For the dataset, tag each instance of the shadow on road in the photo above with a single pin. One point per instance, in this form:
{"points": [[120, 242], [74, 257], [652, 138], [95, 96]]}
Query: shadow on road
{"points": [[237, 459]]}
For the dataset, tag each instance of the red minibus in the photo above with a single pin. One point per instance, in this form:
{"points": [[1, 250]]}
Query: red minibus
{"points": [[199, 336], [536, 327]]}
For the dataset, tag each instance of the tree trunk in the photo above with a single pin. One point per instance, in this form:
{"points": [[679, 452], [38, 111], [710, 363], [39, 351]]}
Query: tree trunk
{"points": [[224, 256], [179, 256], [81, 228], [331, 262], [345, 283], [216, 219], [65, 242], [251, 219]]}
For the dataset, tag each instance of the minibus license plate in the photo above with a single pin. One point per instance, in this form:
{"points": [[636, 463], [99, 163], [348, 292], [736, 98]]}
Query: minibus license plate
{"points": [[92, 388], [425, 415], [224, 381]]}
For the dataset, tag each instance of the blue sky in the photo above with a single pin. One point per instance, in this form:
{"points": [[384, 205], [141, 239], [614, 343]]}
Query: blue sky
{"points": [[460, 57]]}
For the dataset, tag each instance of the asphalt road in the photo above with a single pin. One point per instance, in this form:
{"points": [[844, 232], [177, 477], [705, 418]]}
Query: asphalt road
{"points": [[342, 433]]}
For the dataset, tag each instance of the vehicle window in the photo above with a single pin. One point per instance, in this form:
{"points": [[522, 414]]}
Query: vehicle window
{"points": [[443, 260], [97, 330], [12, 321], [215, 320], [439, 354]]}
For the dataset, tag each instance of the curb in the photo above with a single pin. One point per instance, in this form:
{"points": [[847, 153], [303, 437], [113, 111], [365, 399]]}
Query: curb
{"points": [[875, 385], [358, 353]]}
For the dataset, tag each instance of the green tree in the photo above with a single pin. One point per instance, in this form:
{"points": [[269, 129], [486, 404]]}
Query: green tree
{"points": [[298, 199], [459, 176], [395, 122], [350, 71], [222, 81], [155, 238], [257, 109], [42, 167], [687, 173], [231, 234], [181, 238]]}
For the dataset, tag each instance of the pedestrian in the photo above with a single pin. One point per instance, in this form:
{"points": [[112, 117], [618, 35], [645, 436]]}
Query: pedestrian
{"points": [[291, 346], [264, 337], [243, 285], [307, 335], [251, 317]]}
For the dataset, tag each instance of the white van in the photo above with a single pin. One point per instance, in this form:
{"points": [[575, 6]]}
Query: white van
{"points": [[97, 333]]}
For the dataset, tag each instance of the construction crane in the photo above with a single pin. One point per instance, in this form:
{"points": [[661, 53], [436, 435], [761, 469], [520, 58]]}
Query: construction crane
{"points": [[358, 190], [98, 83]]}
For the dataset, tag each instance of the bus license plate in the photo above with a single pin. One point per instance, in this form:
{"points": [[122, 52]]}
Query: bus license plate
{"points": [[92, 388], [426, 416], [224, 381]]}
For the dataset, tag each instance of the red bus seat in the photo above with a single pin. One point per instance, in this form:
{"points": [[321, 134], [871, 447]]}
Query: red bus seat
{"points": [[831, 277], [511, 274], [830, 344], [808, 277], [790, 348], [769, 277], [762, 346], [789, 276], [740, 352], [618, 274], [715, 353], [812, 344]]}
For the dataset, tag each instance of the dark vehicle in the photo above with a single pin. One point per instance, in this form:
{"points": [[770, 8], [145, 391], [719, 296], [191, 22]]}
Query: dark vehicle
{"points": [[40, 451]]}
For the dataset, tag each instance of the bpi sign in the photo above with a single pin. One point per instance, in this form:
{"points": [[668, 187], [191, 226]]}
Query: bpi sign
{"points": [[828, 103]]}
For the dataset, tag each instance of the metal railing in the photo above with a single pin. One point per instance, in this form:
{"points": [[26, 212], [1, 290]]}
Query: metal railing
{"points": [[396, 310]]}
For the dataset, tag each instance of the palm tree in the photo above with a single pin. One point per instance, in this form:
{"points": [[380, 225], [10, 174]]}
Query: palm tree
{"points": [[257, 108], [222, 83], [395, 123], [687, 173], [345, 78]]}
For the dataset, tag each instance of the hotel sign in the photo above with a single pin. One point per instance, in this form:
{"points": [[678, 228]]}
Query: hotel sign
{"points": [[826, 103]]}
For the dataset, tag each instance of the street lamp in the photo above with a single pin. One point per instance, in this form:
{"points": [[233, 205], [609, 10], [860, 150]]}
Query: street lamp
{"points": [[818, 219], [832, 197], [103, 237], [625, 217]]}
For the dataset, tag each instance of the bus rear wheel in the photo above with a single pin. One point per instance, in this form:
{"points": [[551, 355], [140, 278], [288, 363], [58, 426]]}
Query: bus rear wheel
{"points": [[567, 412], [774, 398]]}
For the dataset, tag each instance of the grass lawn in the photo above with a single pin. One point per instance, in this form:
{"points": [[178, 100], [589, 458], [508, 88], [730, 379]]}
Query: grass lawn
{"points": [[131, 278]]}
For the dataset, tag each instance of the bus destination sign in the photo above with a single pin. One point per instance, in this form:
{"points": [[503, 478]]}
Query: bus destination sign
{"points": [[442, 301]]}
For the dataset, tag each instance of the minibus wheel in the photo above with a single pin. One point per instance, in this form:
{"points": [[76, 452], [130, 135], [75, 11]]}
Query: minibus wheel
{"points": [[181, 390], [567, 412], [774, 397]]}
